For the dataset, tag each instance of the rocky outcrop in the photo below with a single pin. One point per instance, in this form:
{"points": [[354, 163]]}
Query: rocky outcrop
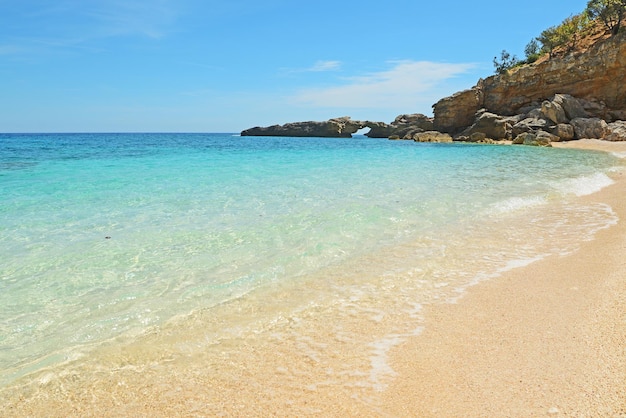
{"points": [[594, 76], [404, 126], [540, 139], [454, 113], [617, 131], [548, 122], [491, 125], [578, 95], [593, 128], [334, 128], [432, 136]]}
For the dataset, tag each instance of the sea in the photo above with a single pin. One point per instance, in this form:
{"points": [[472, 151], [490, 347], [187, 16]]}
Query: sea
{"points": [[200, 246]]}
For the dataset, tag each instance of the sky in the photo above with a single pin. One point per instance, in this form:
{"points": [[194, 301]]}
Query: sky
{"points": [[228, 65]]}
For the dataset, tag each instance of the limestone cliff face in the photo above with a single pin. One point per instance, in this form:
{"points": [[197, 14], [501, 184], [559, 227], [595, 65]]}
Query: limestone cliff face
{"points": [[597, 75]]}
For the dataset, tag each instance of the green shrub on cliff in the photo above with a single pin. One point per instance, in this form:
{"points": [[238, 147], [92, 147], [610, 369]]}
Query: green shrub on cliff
{"points": [[610, 12], [505, 62], [567, 34], [532, 51]]}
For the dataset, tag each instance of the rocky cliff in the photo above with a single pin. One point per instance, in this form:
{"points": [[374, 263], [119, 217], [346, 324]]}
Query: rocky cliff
{"points": [[579, 94], [596, 76]]}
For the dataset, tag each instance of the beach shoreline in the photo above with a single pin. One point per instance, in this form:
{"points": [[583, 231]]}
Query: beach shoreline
{"points": [[548, 339], [536, 340]]}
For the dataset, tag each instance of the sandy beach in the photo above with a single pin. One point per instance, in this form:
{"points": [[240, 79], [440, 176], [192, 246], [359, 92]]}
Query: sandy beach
{"points": [[548, 339]]}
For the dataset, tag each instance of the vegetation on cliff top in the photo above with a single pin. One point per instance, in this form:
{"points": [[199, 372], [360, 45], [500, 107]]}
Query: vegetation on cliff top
{"points": [[607, 14]]}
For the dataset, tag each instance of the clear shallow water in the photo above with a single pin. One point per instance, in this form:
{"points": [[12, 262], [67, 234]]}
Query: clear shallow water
{"points": [[106, 235]]}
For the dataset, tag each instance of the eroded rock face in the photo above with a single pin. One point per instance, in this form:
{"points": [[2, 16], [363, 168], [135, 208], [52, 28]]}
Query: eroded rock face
{"points": [[333, 128], [564, 131], [432, 136], [595, 76], [456, 112], [590, 128], [491, 125], [530, 125], [554, 111], [617, 131], [404, 126], [540, 139], [571, 106]]}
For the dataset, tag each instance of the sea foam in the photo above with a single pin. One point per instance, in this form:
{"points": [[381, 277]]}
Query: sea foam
{"points": [[584, 185], [518, 203]]}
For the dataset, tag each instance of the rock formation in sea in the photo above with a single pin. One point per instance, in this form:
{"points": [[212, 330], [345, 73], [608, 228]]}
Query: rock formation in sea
{"points": [[344, 127]]}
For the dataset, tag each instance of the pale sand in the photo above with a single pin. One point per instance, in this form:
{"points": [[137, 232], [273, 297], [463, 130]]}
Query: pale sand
{"points": [[547, 339]]}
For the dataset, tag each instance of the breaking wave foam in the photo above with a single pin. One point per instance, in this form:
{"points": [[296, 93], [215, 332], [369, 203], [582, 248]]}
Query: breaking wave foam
{"points": [[517, 203], [584, 185]]}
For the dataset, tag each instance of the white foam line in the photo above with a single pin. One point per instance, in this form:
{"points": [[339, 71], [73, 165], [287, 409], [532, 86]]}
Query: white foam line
{"points": [[585, 185], [380, 357], [517, 203]]}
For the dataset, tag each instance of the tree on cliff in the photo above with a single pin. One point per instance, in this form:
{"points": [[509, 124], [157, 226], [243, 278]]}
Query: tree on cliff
{"points": [[567, 34], [505, 63], [610, 12]]}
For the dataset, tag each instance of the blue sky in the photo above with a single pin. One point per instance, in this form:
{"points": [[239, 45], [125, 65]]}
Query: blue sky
{"points": [[227, 65]]}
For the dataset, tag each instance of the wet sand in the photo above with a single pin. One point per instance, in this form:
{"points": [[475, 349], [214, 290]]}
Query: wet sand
{"points": [[548, 339]]}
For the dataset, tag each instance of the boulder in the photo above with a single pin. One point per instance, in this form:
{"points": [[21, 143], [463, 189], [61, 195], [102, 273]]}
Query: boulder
{"points": [[540, 139], [572, 107], [564, 131], [432, 136], [492, 125], [617, 131], [524, 137], [594, 108], [404, 126], [593, 128], [617, 115], [530, 125], [544, 138], [477, 137], [554, 112]]}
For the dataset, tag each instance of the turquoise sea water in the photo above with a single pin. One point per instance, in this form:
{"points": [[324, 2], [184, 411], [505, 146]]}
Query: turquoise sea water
{"points": [[108, 235]]}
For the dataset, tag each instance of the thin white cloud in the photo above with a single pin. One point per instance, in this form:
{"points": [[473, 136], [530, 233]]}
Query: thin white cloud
{"points": [[320, 66], [399, 86]]}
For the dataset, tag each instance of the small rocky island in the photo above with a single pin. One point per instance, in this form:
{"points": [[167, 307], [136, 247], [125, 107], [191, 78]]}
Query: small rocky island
{"points": [[562, 96]]}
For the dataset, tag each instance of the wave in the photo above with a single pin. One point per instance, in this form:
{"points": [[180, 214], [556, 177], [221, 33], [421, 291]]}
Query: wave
{"points": [[518, 203], [584, 185]]}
